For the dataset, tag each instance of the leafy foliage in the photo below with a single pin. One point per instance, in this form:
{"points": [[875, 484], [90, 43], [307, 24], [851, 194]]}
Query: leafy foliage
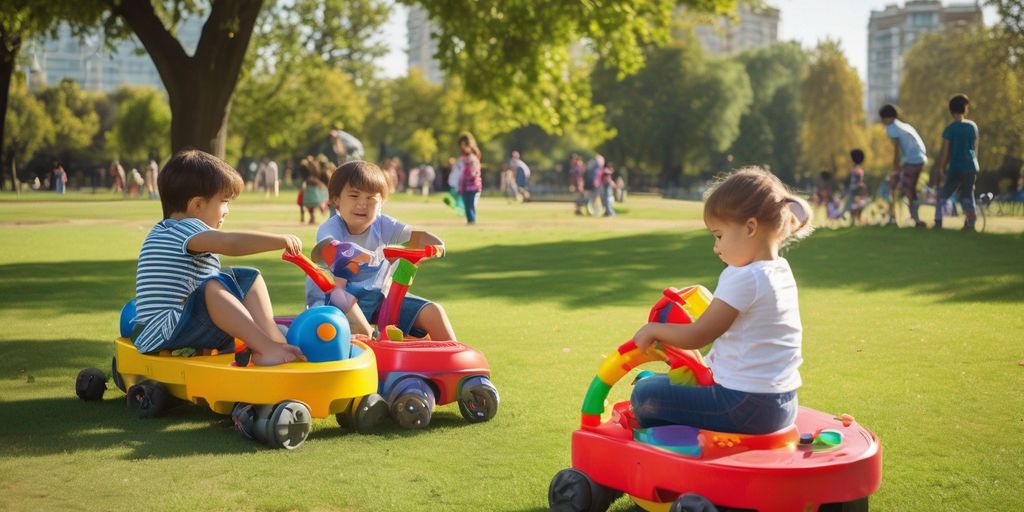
{"points": [[984, 72], [833, 110], [515, 53], [676, 111], [143, 125], [770, 131], [28, 127]]}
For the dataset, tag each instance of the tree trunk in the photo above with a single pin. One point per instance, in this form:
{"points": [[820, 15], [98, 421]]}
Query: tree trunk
{"points": [[199, 87], [9, 47]]}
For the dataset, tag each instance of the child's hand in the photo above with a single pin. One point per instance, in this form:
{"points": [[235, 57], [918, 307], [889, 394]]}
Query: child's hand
{"points": [[292, 244], [278, 353], [644, 338]]}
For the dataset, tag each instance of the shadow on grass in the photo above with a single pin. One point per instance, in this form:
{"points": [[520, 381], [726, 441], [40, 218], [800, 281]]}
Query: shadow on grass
{"points": [[614, 271], [948, 265], [58, 425]]}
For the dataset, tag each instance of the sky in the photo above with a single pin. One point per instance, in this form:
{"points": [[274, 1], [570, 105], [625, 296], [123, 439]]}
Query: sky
{"points": [[806, 21]]}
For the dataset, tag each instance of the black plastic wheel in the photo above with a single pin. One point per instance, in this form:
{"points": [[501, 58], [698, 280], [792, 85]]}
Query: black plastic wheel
{"points": [[860, 505], [289, 425], [692, 502], [478, 400], [413, 408], [364, 414], [573, 491], [118, 381], [90, 384], [243, 416], [148, 398]]}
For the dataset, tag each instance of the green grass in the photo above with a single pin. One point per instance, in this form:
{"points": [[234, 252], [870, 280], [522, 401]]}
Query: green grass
{"points": [[917, 334]]}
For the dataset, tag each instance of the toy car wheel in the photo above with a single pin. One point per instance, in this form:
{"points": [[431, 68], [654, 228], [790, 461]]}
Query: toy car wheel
{"points": [[289, 425], [860, 505], [148, 398], [478, 400], [90, 384], [243, 416], [572, 490], [118, 381], [364, 414], [412, 403], [692, 502]]}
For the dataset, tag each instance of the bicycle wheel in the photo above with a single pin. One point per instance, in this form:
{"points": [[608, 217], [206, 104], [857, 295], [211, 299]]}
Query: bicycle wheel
{"points": [[876, 213]]}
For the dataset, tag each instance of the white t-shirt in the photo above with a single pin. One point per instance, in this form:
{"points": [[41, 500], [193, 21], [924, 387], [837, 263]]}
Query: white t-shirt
{"points": [[911, 146], [383, 232], [760, 353]]}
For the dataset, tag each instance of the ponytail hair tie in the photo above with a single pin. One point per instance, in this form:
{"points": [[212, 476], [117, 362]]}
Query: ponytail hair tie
{"points": [[798, 211]]}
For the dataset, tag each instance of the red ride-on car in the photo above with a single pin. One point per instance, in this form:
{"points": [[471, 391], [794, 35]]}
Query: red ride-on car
{"points": [[416, 375], [822, 463]]}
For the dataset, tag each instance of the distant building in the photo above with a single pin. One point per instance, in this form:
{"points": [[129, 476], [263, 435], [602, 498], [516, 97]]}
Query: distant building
{"points": [[422, 45], [891, 32], [748, 28], [95, 67]]}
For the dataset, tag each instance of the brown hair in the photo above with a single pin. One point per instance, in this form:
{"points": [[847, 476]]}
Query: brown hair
{"points": [[752, 192], [471, 142], [193, 173], [359, 174]]}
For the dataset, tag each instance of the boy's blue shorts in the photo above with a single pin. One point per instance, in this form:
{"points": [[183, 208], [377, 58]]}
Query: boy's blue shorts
{"points": [[412, 305], [195, 328]]}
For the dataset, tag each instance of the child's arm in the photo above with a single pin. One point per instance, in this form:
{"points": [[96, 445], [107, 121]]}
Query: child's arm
{"points": [[895, 154], [421, 239], [713, 323], [242, 243], [940, 171]]}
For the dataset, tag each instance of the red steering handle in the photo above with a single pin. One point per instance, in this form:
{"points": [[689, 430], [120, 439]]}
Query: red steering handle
{"points": [[414, 255]]}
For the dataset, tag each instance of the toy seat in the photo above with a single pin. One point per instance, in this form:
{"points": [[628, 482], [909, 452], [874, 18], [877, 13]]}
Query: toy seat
{"points": [[708, 444], [705, 444]]}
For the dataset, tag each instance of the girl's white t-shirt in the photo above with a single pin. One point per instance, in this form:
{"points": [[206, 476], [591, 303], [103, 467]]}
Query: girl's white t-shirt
{"points": [[760, 353]]}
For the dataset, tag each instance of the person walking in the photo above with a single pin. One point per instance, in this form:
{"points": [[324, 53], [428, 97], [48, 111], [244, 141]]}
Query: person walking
{"points": [[471, 183]]}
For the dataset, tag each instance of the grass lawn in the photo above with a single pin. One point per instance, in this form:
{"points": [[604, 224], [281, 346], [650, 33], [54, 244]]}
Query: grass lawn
{"points": [[918, 334]]}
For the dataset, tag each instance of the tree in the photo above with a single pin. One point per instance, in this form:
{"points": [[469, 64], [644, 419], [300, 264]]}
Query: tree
{"points": [[142, 127], [983, 71], [676, 112], [770, 130], [73, 115], [1011, 25], [282, 116], [21, 20], [499, 46], [833, 110], [28, 128]]}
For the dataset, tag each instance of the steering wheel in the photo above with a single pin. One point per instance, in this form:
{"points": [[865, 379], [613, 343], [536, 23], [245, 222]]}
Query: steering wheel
{"points": [[684, 367]]}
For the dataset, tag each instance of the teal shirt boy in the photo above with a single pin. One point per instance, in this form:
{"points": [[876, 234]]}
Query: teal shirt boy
{"points": [[962, 135]]}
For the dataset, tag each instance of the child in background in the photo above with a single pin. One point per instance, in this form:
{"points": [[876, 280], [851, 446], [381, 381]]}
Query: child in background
{"points": [[908, 159], [960, 151], [314, 193], [857, 191], [754, 318], [358, 190], [472, 180], [184, 297]]}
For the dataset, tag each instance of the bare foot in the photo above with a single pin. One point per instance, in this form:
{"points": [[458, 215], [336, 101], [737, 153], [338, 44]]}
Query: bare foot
{"points": [[279, 354]]}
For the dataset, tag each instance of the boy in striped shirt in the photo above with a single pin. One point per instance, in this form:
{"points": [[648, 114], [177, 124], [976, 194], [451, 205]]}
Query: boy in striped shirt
{"points": [[184, 298]]}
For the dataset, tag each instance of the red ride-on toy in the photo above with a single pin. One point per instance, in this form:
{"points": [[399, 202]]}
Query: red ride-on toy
{"points": [[416, 375], [822, 463]]}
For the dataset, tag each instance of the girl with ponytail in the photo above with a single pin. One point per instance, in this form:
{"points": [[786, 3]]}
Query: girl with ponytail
{"points": [[753, 320]]}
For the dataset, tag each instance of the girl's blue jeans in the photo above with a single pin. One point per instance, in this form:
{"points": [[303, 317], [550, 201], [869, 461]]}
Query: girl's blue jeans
{"points": [[656, 402], [469, 200]]}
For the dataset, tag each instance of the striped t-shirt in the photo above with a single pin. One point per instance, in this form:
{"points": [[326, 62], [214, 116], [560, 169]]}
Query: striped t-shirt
{"points": [[167, 275]]}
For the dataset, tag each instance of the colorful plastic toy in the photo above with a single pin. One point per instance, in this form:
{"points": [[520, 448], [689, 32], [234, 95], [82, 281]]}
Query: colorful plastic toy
{"points": [[822, 462], [273, 404], [416, 375]]}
